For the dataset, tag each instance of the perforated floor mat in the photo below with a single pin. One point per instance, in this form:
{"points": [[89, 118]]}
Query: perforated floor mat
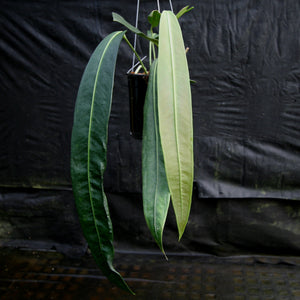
{"points": [[50, 275]]}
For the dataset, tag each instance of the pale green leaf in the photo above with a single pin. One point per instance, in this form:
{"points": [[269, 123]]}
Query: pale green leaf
{"points": [[156, 195], [175, 116]]}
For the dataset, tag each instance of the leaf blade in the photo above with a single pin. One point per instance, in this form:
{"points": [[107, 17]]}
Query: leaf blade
{"points": [[154, 18], [156, 195], [121, 20], [175, 117], [88, 154]]}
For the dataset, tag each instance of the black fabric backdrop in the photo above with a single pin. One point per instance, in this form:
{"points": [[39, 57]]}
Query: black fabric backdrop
{"points": [[244, 56]]}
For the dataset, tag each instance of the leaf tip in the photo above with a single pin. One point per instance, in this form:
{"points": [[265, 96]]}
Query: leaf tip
{"points": [[181, 230], [165, 255]]}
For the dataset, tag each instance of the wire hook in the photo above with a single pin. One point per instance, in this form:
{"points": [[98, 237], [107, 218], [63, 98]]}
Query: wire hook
{"points": [[136, 25], [158, 6], [171, 5]]}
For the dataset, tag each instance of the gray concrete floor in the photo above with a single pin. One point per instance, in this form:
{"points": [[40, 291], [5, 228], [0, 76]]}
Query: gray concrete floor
{"points": [[50, 275]]}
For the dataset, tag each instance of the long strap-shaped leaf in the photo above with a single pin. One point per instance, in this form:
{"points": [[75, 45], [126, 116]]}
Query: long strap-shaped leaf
{"points": [[88, 153], [156, 195], [175, 116]]}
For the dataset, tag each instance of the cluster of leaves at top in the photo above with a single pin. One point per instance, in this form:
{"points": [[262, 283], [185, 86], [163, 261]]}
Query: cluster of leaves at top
{"points": [[167, 155]]}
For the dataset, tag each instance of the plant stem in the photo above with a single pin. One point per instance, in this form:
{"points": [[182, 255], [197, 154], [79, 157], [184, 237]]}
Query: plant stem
{"points": [[154, 52], [150, 49], [136, 54], [150, 53]]}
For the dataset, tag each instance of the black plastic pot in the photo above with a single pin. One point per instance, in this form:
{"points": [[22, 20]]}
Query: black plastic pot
{"points": [[137, 84]]}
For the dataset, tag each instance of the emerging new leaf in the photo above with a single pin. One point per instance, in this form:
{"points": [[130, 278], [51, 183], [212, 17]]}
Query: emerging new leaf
{"points": [[184, 10]]}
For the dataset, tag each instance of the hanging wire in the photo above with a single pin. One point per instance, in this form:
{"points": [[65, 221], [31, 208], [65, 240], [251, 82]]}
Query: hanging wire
{"points": [[136, 25], [171, 5], [158, 6]]}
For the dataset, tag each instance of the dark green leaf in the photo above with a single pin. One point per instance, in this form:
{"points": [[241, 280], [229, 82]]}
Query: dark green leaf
{"points": [[121, 20], [88, 153], [156, 195], [154, 18]]}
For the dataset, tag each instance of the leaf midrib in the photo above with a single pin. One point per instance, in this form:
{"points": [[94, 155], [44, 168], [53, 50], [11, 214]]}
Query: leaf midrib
{"points": [[90, 132], [175, 114], [156, 153]]}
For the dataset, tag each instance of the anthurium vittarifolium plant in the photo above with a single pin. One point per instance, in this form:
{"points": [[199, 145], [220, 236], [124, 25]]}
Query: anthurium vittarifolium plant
{"points": [[167, 153]]}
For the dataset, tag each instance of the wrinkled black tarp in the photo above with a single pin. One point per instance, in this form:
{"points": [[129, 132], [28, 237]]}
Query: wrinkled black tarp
{"points": [[244, 55], [46, 220]]}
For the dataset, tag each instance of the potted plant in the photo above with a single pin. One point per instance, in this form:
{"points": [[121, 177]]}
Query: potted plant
{"points": [[137, 87], [167, 153]]}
